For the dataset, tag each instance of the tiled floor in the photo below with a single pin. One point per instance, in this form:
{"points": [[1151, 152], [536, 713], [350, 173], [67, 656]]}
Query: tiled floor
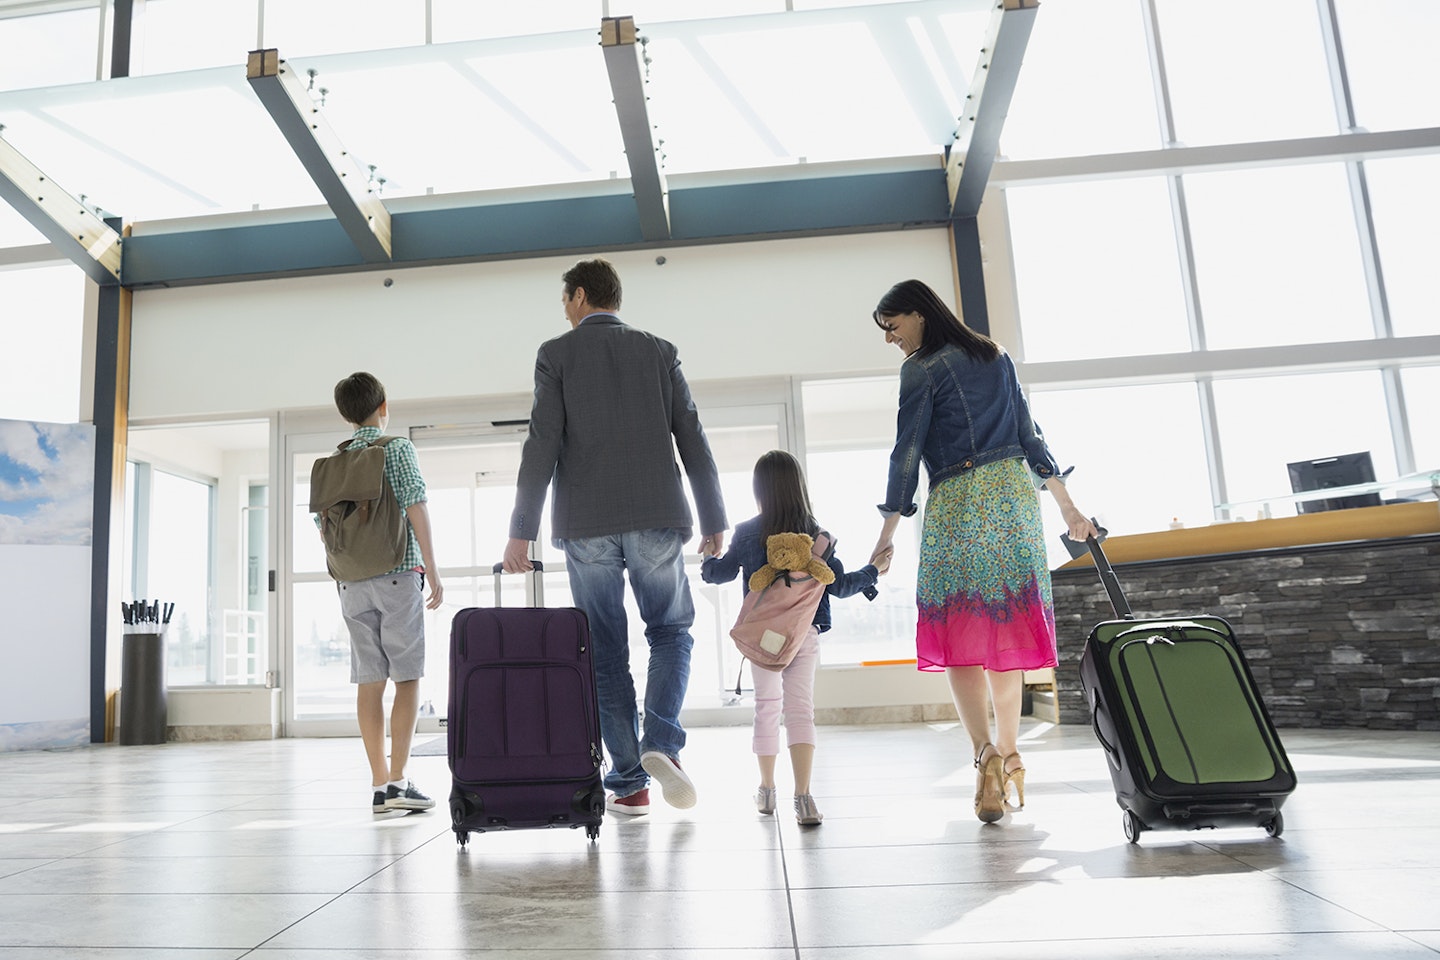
{"points": [[269, 850]]}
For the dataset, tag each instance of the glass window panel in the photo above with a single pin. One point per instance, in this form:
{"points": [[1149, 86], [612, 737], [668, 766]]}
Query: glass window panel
{"points": [[1241, 71], [191, 34], [1103, 249], [647, 12], [1389, 48], [309, 27], [844, 487], [1126, 497], [41, 326], [849, 432], [15, 230], [145, 147], [1268, 422], [179, 573], [1422, 401], [307, 553], [1277, 257], [322, 653], [514, 105], [1063, 55], [467, 20], [830, 89], [47, 50], [1409, 241], [826, 4]]}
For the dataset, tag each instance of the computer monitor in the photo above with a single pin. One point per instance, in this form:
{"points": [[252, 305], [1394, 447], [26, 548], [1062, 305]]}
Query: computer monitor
{"points": [[1342, 471]]}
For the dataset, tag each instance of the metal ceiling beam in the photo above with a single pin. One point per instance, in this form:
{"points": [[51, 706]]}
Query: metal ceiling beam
{"points": [[342, 182], [794, 207], [627, 83], [76, 231], [977, 139], [1180, 161]]}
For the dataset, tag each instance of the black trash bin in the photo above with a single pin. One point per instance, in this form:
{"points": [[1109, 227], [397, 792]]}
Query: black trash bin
{"points": [[144, 713]]}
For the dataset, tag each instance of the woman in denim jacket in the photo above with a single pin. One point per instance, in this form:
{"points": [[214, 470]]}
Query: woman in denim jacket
{"points": [[983, 589]]}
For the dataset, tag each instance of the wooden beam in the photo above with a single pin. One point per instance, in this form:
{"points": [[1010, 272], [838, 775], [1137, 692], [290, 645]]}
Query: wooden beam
{"points": [[76, 231], [623, 61], [977, 138], [345, 186]]}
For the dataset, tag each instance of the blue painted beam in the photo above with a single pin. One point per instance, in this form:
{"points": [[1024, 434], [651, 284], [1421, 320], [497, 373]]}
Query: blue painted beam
{"points": [[970, 270], [799, 207]]}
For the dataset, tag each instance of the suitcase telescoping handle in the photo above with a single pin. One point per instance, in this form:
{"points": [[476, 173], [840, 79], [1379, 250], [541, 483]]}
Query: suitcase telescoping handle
{"points": [[538, 575], [1102, 566]]}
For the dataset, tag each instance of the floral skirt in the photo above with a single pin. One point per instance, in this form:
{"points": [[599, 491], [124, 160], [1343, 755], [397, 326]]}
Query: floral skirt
{"points": [[983, 589]]}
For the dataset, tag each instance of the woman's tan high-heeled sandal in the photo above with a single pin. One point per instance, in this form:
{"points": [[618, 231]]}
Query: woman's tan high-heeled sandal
{"points": [[989, 785], [1015, 777]]}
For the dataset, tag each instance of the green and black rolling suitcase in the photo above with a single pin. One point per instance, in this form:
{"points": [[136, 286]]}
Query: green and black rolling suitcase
{"points": [[1189, 742]]}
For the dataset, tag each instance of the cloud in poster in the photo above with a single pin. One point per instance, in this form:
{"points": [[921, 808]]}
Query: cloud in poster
{"points": [[47, 479]]}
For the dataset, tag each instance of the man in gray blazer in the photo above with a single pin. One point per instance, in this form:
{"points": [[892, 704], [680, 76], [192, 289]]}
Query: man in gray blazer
{"points": [[611, 408]]}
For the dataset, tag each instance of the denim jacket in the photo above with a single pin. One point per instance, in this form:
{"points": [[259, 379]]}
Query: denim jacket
{"points": [[958, 413], [747, 554]]}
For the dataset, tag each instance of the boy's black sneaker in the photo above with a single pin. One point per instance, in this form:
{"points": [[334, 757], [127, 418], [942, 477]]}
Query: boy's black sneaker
{"points": [[408, 799], [378, 804]]}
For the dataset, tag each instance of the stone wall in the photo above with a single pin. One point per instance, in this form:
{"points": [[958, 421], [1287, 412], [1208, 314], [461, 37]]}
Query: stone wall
{"points": [[1340, 635]]}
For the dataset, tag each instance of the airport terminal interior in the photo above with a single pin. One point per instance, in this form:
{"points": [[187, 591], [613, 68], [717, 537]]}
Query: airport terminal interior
{"points": [[1205, 234]]}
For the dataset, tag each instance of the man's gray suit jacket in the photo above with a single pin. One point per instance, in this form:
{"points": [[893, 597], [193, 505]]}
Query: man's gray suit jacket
{"points": [[611, 408]]}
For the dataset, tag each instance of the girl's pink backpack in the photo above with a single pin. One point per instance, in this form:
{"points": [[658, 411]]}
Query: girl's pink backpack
{"points": [[774, 620]]}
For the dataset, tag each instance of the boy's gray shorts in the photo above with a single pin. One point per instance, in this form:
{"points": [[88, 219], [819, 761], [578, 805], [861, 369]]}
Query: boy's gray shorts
{"points": [[386, 617]]}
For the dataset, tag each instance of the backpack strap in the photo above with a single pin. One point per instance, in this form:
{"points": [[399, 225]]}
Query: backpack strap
{"points": [[824, 545], [379, 441]]}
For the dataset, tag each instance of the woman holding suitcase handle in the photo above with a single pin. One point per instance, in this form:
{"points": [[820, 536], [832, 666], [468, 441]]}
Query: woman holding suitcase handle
{"points": [[983, 589]]}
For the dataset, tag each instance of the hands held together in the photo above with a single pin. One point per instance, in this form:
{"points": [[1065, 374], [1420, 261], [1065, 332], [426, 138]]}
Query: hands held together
{"points": [[884, 553]]}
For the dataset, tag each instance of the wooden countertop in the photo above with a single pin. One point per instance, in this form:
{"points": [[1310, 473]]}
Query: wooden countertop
{"points": [[1332, 526]]}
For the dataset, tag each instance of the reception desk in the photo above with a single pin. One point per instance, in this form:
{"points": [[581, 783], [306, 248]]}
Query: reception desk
{"points": [[1338, 612], [1242, 536]]}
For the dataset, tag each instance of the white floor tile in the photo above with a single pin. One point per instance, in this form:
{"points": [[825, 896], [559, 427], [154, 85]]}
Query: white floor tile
{"points": [[269, 850]]}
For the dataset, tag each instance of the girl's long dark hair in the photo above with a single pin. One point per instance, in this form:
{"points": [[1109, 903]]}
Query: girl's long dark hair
{"points": [[941, 325], [781, 495]]}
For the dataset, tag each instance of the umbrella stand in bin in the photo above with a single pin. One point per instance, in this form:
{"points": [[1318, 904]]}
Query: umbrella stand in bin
{"points": [[144, 712]]}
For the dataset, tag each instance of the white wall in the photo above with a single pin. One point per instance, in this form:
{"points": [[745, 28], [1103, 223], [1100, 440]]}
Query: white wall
{"points": [[774, 307]]}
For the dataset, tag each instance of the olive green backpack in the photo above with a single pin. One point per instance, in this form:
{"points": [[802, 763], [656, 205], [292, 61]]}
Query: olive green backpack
{"points": [[361, 522]]}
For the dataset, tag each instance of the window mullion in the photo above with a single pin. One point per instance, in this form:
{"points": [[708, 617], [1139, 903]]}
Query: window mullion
{"points": [[1180, 212]]}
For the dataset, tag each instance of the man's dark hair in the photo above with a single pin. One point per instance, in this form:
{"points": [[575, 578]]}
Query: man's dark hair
{"points": [[598, 277], [358, 396]]}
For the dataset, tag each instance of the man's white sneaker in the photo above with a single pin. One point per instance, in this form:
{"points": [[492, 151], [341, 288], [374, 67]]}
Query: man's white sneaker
{"points": [[674, 783]]}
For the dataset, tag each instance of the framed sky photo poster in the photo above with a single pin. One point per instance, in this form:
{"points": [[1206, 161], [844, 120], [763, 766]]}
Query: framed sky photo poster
{"points": [[47, 478]]}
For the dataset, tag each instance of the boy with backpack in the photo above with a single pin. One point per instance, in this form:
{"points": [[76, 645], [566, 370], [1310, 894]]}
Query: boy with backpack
{"points": [[777, 553], [369, 501]]}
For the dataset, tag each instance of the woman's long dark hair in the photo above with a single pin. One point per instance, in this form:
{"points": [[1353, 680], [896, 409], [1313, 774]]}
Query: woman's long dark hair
{"points": [[780, 493], [941, 325]]}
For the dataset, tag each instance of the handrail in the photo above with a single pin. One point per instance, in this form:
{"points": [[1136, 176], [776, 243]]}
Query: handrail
{"points": [[1430, 477]]}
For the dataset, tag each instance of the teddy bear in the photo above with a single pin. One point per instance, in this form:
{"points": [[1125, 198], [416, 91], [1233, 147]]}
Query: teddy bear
{"points": [[790, 553]]}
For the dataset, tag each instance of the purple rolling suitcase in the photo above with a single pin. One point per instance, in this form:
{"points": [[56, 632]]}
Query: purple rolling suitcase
{"points": [[524, 724]]}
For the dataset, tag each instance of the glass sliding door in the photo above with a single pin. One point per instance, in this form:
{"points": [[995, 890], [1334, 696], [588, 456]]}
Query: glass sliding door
{"points": [[470, 459]]}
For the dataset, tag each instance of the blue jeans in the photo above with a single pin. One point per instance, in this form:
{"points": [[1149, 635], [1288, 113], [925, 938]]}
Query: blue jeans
{"points": [[656, 562]]}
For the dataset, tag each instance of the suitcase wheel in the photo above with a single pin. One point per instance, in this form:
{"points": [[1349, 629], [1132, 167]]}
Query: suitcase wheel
{"points": [[1274, 827], [462, 837], [1134, 826], [592, 831]]}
